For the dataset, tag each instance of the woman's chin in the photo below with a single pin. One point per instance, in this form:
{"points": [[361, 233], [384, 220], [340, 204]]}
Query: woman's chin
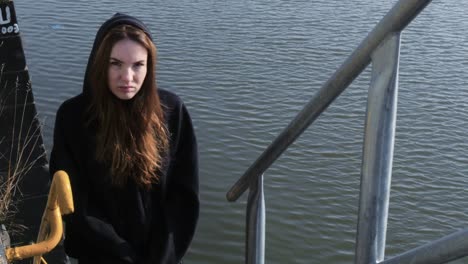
{"points": [[124, 95]]}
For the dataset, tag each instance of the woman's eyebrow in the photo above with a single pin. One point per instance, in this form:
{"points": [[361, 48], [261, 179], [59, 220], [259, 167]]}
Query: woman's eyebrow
{"points": [[117, 60]]}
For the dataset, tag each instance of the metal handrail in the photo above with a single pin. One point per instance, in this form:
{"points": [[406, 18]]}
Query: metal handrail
{"points": [[394, 21], [445, 249], [60, 202], [382, 47]]}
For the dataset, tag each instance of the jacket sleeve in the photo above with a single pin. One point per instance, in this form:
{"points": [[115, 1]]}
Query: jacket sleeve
{"points": [[182, 202], [87, 233]]}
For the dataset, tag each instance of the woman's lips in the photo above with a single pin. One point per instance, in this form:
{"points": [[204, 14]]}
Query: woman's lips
{"points": [[126, 89]]}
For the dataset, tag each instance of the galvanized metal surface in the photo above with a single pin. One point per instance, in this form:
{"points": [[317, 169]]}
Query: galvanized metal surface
{"points": [[255, 240], [3, 259], [4, 244], [378, 152], [395, 21], [443, 250]]}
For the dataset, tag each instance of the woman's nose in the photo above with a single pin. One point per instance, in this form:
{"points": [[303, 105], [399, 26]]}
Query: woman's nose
{"points": [[126, 74]]}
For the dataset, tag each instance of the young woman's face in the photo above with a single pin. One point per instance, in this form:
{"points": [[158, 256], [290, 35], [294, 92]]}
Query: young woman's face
{"points": [[127, 68]]}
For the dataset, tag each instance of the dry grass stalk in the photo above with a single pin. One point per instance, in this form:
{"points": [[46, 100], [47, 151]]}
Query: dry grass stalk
{"points": [[19, 160]]}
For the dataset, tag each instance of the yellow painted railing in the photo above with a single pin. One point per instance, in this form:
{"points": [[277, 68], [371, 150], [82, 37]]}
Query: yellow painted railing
{"points": [[59, 202]]}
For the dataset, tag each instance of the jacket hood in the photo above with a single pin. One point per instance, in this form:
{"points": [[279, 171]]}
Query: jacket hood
{"points": [[115, 20]]}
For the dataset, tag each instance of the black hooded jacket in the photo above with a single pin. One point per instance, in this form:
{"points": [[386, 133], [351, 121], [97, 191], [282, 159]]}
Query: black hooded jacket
{"points": [[126, 225]]}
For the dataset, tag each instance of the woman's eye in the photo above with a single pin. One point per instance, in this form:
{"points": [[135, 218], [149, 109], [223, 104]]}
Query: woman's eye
{"points": [[138, 65], [115, 63]]}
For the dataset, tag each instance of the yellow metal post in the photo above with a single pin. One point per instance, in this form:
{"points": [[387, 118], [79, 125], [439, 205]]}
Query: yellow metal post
{"points": [[60, 202]]}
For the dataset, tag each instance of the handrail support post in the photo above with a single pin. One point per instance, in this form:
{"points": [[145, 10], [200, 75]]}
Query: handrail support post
{"points": [[255, 237], [378, 152]]}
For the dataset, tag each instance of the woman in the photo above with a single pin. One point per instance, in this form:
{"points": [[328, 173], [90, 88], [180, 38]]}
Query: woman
{"points": [[131, 154]]}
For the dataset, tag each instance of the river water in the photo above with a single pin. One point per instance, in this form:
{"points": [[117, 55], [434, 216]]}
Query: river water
{"points": [[245, 69]]}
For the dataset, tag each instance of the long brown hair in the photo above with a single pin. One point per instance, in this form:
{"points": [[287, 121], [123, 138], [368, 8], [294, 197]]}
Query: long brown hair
{"points": [[131, 137]]}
